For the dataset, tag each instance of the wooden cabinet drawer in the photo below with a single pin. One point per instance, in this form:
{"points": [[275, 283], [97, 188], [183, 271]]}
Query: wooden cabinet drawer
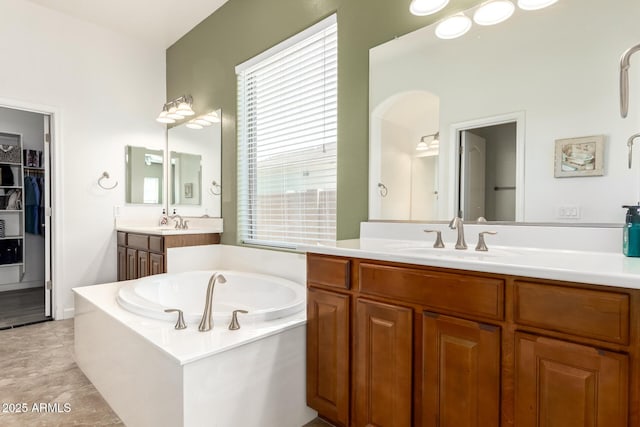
{"points": [[122, 238], [328, 271], [588, 313], [457, 293], [138, 241], [155, 243]]}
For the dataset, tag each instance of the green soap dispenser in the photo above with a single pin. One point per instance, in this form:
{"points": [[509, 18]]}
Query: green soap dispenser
{"points": [[631, 232]]}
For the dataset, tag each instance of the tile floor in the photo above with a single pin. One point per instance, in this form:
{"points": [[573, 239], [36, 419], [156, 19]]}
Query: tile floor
{"points": [[21, 307], [37, 367]]}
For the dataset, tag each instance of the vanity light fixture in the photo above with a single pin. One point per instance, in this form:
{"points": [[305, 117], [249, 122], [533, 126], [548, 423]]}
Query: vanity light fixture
{"points": [[423, 145], [494, 12], [535, 4], [176, 109], [427, 7], [453, 27], [204, 120]]}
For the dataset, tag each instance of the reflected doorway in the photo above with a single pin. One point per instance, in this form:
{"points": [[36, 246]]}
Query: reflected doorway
{"points": [[488, 159]]}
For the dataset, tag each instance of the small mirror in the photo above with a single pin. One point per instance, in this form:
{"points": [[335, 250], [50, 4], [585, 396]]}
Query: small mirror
{"points": [[144, 175], [194, 169]]}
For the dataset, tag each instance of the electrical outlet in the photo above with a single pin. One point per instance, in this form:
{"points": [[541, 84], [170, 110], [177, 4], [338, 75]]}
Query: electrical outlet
{"points": [[569, 212]]}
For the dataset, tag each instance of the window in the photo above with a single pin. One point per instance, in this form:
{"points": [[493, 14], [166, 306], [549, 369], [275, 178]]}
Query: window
{"points": [[287, 141]]}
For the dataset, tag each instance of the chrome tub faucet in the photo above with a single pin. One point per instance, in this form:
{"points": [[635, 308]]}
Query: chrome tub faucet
{"points": [[207, 316]]}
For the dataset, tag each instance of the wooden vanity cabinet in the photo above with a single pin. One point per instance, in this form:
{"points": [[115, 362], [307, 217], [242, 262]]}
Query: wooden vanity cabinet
{"points": [[141, 255], [395, 345]]}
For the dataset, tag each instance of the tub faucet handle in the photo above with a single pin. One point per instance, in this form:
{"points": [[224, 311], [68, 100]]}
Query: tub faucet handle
{"points": [[180, 323], [234, 325]]}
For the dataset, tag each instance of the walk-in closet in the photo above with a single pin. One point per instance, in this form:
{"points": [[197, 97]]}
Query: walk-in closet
{"points": [[24, 218]]}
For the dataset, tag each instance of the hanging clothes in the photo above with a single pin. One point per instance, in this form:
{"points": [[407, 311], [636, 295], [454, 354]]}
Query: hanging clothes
{"points": [[6, 176], [31, 205]]}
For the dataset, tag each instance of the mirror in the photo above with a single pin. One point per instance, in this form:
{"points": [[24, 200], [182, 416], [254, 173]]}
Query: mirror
{"points": [[195, 170], [552, 74], [144, 175]]}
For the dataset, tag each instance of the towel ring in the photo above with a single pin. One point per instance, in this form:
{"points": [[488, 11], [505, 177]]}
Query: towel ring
{"points": [[382, 189], [215, 188], [105, 175]]}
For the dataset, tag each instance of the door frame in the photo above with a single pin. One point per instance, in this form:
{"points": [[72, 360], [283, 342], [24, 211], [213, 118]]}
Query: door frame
{"points": [[455, 131], [55, 198]]}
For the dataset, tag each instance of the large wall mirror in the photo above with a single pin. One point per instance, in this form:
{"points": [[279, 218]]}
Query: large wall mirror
{"points": [[472, 124], [144, 175], [194, 165]]}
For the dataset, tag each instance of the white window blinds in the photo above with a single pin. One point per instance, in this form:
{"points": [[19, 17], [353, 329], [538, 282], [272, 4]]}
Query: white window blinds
{"points": [[287, 141]]}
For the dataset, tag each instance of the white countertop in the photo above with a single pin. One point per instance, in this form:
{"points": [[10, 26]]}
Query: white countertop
{"points": [[599, 268], [167, 231]]}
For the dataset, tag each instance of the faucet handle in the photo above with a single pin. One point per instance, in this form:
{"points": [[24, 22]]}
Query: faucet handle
{"points": [[180, 323], [177, 224], [481, 219], [482, 246], [438, 243], [234, 325], [185, 225]]}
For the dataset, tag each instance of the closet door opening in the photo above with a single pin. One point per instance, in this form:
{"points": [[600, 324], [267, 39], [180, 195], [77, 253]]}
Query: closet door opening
{"points": [[25, 217]]}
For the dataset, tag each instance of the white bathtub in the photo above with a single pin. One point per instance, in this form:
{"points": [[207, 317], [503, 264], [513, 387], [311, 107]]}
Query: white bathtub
{"points": [[264, 297], [127, 346]]}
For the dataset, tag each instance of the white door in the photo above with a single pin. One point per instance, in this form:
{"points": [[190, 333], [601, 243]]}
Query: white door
{"points": [[473, 176], [47, 215]]}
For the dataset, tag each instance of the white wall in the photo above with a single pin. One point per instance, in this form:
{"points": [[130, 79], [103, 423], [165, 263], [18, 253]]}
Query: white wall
{"points": [[564, 77], [105, 89]]}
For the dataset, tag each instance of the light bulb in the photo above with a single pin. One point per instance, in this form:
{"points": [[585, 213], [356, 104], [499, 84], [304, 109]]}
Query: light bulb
{"points": [[427, 7], [212, 117], [493, 12], [184, 109], [162, 118], [173, 113], [534, 4], [453, 27], [422, 146]]}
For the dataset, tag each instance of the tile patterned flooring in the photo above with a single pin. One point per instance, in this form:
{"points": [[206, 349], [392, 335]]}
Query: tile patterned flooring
{"points": [[37, 366]]}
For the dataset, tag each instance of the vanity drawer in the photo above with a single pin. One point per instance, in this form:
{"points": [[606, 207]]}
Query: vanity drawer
{"points": [[588, 313], [122, 238], [138, 241], [155, 243], [328, 271], [457, 293]]}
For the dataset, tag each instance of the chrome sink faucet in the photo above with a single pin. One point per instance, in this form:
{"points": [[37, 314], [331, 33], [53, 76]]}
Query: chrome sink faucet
{"points": [[207, 317], [457, 224]]}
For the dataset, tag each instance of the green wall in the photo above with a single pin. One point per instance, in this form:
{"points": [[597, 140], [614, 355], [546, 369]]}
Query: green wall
{"points": [[202, 63]]}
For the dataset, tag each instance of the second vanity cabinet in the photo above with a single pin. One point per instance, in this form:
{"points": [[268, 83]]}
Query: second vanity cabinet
{"points": [[141, 255], [394, 345]]}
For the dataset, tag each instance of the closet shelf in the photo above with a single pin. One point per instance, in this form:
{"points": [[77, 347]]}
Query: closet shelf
{"points": [[10, 210], [10, 186], [10, 163], [12, 237]]}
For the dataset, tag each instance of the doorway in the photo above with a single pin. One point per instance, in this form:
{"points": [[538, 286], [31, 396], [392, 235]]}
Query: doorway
{"points": [[487, 174], [25, 217]]}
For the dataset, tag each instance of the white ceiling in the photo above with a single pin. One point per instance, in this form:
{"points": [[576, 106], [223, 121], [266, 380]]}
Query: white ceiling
{"points": [[158, 22]]}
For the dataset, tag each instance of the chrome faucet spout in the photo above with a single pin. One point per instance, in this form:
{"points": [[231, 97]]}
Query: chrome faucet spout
{"points": [[457, 224], [624, 79], [206, 323]]}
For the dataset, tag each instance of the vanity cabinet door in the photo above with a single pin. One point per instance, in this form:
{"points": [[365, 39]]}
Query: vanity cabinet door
{"points": [[122, 263], [132, 264], [461, 373], [156, 263], [561, 384], [383, 364], [328, 355], [142, 259]]}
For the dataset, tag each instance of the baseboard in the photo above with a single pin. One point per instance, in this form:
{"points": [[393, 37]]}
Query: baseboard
{"points": [[68, 313]]}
